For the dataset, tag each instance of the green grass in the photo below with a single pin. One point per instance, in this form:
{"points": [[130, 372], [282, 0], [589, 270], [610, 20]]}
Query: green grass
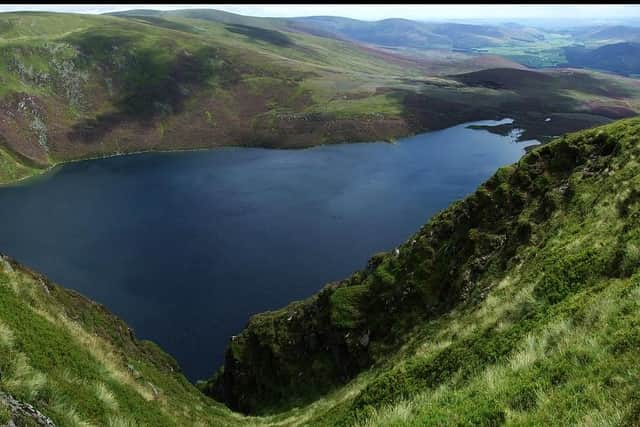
{"points": [[12, 170], [566, 371], [553, 340], [77, 364], [538, 54], [28, 25], [544, 333], [344, 306], [388, 105], [5, 413]]}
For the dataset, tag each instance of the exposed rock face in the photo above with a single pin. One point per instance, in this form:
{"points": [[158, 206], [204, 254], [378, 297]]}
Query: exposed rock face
{"points": [[23, 413], [23, 127]]}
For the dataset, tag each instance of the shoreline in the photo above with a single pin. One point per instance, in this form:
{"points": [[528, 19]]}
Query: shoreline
{"points": [[50, 168], [461, 133]]}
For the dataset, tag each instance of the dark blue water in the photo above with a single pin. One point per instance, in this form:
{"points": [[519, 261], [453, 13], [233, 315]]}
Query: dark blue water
{"points": [[186, 246]]}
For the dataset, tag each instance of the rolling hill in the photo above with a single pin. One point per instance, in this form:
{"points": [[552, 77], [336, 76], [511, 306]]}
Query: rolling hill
{"points": [[622, 58], [80, 86], [390, 32], [594, 36], [414, 34]]}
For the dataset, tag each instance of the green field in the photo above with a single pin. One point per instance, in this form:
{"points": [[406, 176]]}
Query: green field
{"points": [[538, 54]]}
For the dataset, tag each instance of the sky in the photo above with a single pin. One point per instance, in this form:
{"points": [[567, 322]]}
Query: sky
{"points": [[378, 11]]}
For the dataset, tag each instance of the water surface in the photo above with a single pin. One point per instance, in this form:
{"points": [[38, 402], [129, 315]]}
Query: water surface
{"points": [[186, 246]]}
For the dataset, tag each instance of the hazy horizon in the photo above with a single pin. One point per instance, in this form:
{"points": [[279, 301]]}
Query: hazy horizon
{"points": [[629, 14]]}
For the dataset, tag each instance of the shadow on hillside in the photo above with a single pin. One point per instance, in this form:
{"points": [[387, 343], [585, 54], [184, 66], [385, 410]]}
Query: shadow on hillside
{"points": [[254, 33], [152, 86], [164, 23], [530, 98]]}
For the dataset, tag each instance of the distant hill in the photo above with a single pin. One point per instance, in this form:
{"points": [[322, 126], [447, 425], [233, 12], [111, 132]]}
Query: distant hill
{"points": [[622, 58], [388, 32], [606, 34], [211, 15], [414, 34], [77, 86]]}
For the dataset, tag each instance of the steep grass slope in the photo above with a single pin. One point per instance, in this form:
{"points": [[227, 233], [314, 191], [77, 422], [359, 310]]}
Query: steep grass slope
{"points": [[80, 365], [518, 305]]}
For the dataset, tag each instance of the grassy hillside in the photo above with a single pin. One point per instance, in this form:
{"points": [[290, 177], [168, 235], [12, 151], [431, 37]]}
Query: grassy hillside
{"points": [[517, 305], [76, 86], [80, 365]]}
